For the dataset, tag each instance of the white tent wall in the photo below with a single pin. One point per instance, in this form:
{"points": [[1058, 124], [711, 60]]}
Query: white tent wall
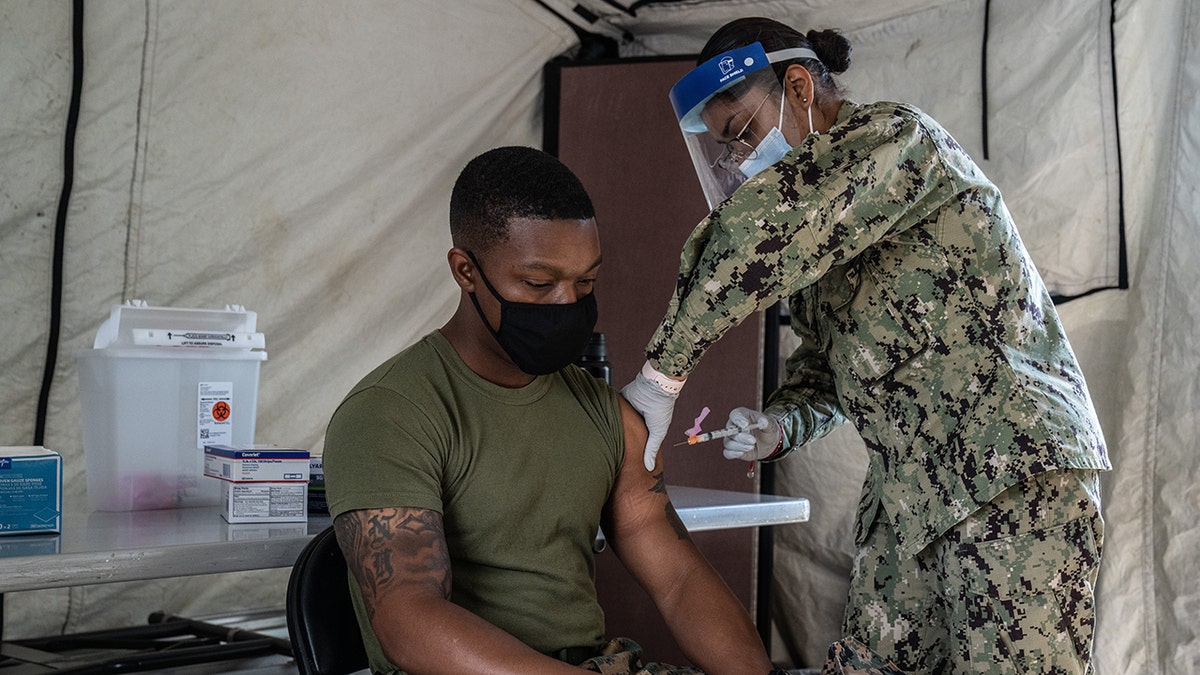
{"points": [[1153, 609], [35, 60], [296, 158]]}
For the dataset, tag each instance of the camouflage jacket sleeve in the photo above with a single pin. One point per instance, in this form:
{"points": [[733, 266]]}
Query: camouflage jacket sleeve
{"points": [[806, 404], [829, 199]]}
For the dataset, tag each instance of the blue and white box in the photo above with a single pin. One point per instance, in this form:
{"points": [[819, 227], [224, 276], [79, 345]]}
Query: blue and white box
{"points": [[256, 463], [30, 490]]}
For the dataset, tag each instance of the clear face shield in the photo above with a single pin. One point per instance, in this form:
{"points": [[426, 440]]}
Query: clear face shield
{"points": [[727, 92]]}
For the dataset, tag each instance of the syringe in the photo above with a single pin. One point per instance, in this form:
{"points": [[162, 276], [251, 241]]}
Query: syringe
{"points": [[709, 436], [693, 439]]}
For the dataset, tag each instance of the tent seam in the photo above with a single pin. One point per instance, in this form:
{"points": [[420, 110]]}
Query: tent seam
{"points": [[1150, 568], [1111, 145], [133, 223]]}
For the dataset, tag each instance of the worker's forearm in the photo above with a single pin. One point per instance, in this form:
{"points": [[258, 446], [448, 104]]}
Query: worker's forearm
{"points": [[433, 636]]}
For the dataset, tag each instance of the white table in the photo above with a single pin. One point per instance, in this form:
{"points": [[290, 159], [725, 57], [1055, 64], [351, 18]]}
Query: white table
{"points": [[102, 547]]}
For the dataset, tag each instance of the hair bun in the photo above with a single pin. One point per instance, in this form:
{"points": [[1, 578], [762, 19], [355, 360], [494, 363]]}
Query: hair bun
{"points": [[832, 48]]}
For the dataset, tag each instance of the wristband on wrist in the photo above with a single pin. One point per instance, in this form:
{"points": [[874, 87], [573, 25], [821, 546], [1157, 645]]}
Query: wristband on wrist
{"points": [[778, 453], [665, 383]]}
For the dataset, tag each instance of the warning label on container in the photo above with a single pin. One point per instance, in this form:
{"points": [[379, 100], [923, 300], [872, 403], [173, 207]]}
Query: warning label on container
{"points": [[216, 413]]}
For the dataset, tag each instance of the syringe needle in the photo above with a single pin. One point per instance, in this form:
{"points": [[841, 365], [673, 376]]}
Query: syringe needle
{"points": [[720, 433], [709, 436]]}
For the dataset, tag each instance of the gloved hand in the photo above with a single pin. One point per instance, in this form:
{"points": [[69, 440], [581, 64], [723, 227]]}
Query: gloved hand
{"points": [[656, 405], [760, 435]]}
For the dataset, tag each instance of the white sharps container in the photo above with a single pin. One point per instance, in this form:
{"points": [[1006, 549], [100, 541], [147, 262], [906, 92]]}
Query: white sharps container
{"points": [[158, 385]]}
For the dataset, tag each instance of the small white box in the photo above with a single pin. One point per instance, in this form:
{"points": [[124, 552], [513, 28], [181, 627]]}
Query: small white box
{"points": [[264, 502], [256, 463]]}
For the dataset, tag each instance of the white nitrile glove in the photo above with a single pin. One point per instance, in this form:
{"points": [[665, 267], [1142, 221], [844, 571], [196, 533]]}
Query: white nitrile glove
{"points": [[654, 399], [759, 438]]}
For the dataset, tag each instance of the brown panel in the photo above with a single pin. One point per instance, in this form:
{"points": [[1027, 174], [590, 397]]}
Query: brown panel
{"points": [[616, 131]]}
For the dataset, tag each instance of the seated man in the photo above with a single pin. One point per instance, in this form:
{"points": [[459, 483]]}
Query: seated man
{"points": [[468, 475]]}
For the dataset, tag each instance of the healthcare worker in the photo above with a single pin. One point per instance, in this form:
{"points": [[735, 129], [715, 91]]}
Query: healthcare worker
{"points": [[923, 321]]}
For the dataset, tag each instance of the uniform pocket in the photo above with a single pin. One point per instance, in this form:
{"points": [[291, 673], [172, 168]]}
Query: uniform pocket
{"points": [[1029, 598], [873, 335]]}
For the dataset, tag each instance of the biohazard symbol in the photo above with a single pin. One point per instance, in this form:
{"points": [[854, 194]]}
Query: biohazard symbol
{"points": [[220, 411]]}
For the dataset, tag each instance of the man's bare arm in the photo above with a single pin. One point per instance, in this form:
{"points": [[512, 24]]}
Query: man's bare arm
{"points": [[400, 560], [706, 619], [375, 543]]}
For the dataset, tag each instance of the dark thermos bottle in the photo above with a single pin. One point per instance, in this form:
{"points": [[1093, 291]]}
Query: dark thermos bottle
{"points": [[594, 358]]}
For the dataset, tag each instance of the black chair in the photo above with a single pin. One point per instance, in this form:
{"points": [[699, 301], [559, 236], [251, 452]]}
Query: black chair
{"points": [[320, 615]]}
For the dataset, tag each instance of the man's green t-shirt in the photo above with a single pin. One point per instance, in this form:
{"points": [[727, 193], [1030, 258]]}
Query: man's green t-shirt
{"points": [[519, 476]]}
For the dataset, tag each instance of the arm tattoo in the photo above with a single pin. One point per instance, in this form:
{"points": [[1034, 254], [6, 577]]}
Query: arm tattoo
{"points": [[660, 484], [676, 522], [394, 547], [660, 487]]}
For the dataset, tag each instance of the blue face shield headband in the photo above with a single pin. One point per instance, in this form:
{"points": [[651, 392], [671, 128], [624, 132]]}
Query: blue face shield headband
{"points": [[689, 96]]}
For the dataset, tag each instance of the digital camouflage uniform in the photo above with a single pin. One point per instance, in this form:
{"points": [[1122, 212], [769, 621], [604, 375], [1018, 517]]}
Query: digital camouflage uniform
{"points": [[1014, 580], [623, 656], [921, 319]]}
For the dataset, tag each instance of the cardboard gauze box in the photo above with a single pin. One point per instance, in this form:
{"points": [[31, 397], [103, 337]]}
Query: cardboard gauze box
{"points": [[264, 502], [260, 483], [30, 490]]}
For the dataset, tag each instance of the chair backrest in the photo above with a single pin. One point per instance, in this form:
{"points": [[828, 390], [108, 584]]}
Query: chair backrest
{"points": [[320, 615]]}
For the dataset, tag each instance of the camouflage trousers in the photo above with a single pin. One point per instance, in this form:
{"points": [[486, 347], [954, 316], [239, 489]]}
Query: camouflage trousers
{"points": [[851, 657], [1007, 590], [623, 656]]}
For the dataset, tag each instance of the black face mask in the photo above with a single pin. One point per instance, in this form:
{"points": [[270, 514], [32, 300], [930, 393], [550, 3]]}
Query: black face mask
{"points": [[540, 338]]}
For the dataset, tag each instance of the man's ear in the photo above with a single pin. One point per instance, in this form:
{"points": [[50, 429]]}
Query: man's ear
{"points": [[798, 82], [462, 269]]}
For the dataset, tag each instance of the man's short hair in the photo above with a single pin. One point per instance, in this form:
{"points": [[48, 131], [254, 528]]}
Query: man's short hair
{"points": [[507, 183]]}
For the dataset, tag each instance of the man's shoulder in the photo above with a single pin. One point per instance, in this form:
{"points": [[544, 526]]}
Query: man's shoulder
{"points": [[399, 372], [585, 384], [406, 379], [592, 393]]}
